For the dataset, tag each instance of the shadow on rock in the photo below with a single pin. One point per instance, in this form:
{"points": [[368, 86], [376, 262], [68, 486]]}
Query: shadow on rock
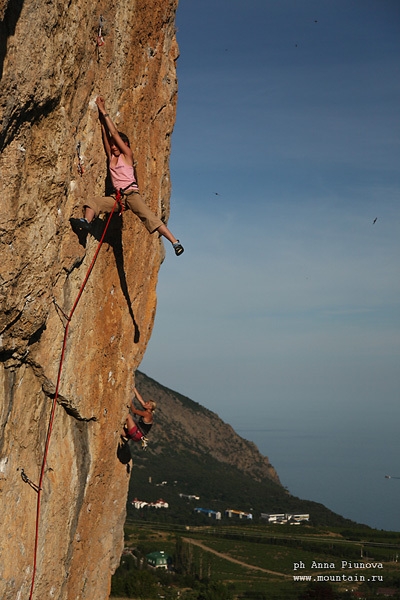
{"points": [[124, 454], [113, 238]]}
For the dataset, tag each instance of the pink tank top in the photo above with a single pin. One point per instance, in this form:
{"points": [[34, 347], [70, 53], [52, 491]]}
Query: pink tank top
{"points": [[122, 175]]}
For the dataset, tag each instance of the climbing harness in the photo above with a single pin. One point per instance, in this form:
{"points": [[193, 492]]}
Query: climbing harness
{"points": [[137, 435], [38, 488], [120, 195]]}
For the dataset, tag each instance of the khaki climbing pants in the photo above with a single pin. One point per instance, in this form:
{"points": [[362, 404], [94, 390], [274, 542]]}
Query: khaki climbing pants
{"points": [[131, 199]]}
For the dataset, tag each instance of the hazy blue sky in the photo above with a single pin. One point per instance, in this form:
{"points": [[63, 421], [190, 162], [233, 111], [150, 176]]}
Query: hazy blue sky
{"points": [[282, 315]]}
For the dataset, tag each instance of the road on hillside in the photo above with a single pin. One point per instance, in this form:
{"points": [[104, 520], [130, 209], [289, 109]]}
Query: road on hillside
{"points": [[234, 560]]}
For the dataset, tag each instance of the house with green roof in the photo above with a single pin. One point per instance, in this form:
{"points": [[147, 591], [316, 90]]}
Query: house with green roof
{"points": [[159, 560]]}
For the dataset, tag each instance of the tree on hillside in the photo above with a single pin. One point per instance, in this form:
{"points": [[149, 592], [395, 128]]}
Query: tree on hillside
{"points": [[215, 590], [323, 591], [318, 591]]}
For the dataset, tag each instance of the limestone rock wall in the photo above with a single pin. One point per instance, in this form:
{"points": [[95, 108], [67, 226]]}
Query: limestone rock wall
{"points": [[51, 70]]}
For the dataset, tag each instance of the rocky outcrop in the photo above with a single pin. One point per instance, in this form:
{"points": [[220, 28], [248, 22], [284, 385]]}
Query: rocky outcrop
{"points": [[52, 68]]}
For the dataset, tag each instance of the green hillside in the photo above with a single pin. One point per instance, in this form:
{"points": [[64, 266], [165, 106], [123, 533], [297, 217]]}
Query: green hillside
{"points": [[219, 486]]}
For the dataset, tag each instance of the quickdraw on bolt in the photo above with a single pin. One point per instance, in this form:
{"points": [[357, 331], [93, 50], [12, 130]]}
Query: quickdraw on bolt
{"points": [[100, 39], [26, 479], [58, 307], [80, 167]]}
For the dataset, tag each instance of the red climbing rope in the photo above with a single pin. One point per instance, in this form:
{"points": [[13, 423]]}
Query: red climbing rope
{"points": [[54, 403]]}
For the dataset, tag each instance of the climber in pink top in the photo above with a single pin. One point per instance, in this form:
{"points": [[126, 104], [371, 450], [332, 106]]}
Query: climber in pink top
{"points": [[122, 171]]}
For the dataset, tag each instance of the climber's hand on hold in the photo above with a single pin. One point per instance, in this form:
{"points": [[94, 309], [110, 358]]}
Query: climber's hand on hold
{"points": [[101, 104]]}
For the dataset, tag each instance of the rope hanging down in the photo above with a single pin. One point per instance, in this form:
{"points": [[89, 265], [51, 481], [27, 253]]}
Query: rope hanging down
{"points": [[54, 403]]}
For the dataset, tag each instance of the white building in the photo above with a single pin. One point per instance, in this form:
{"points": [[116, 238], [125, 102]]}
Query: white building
{"points": [[141, 504], [283, 518], [230, 512], [189, 496], [210, 513]]}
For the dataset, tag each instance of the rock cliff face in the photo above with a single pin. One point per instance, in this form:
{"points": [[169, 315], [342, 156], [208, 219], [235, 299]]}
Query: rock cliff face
{"points": [[51, 69]]}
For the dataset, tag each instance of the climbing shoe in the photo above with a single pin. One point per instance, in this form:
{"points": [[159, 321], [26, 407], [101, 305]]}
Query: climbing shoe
{"points": [[81, 224], [178, 248]]}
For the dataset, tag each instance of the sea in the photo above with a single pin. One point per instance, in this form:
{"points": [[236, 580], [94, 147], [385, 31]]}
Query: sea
{"points": [[350, 472]]}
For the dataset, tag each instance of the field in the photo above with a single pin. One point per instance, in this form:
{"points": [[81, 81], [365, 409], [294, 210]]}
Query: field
{"points": [[267, 562]]}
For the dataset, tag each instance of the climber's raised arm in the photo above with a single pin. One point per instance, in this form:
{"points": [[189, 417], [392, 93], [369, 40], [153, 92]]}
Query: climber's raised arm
{"points": [[110, 133], [139, 397]]}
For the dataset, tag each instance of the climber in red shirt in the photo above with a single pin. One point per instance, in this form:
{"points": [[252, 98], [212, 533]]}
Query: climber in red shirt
{"points": [[122, 172], [136, 429]]}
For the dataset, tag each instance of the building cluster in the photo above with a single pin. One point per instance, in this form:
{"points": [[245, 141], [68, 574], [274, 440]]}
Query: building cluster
{"points": [[280, 518], [141, 504], [274, 518], [161, 503], [285, 518]]}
